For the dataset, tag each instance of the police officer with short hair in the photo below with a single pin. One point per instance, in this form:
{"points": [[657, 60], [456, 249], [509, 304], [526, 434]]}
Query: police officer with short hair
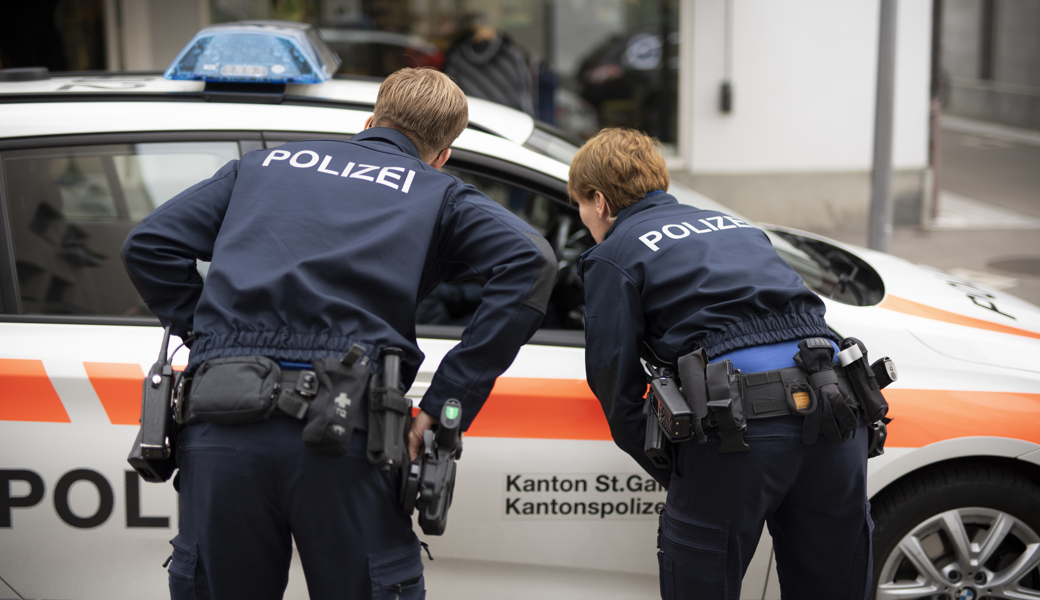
{"points": [[320, 252], [669, 283]]}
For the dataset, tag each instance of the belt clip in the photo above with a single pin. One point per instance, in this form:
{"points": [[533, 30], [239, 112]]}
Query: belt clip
{"points": [[307, 384]]}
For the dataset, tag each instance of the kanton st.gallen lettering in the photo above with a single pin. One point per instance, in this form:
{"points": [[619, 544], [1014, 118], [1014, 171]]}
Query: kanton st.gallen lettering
{"points": [[569, 496]]}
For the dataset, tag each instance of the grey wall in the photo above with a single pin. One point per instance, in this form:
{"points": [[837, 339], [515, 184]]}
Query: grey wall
{"points": [[1012, 96]]}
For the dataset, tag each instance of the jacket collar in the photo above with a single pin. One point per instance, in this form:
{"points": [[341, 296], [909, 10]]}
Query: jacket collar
{"points": [[655, 198], [389, 135]]}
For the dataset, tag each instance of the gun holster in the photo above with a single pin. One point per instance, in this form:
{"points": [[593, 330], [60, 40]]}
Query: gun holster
{"points": [[429, 482], [726, 406], [656, 447], [713, 394]]}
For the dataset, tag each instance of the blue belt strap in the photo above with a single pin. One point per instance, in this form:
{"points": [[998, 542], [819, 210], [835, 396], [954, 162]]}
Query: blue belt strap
{"points": [[765, 358]]}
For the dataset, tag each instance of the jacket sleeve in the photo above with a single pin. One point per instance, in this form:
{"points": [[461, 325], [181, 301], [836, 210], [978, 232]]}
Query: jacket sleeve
{"points": [[614, 326], [160, 253], [479, 239]]}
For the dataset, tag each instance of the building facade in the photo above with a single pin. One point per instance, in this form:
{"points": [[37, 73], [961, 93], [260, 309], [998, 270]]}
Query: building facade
{"points": [[765, 106]]}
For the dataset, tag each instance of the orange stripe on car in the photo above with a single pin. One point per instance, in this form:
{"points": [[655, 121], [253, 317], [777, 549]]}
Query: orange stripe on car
{"points": [[554, 409], [909, 307], [26, 393], [924, 417], [118, 386]]}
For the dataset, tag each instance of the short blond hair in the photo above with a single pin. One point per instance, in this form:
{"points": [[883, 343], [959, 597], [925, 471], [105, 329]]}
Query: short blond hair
{"points": [[623, 164], [425, 105]]}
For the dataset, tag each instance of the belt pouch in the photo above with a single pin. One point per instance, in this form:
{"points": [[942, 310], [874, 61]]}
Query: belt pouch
{"points": [[334, 409], [864, 384], [234, 390], [727, 406], [691, 374], [389, 417], [838, 419]]}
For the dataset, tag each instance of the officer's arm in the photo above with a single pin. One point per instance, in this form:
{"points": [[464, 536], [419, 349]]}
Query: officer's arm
{"points": [[160, 253], [478, 239], [614, 326]]}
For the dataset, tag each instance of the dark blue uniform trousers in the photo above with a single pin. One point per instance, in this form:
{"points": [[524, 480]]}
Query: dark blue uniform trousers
{"points": [[248, 491], [813, 499]]}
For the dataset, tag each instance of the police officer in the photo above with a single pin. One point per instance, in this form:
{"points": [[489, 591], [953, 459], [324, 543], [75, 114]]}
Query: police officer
{"points": [[667, 279], [323, 249]]}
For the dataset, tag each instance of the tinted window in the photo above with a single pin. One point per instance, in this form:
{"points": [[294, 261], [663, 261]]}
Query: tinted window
{"points": [[71, 208], [454, 304]]}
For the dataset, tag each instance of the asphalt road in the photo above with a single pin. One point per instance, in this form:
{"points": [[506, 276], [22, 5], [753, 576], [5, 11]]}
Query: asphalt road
{"points": [[988, 224]]}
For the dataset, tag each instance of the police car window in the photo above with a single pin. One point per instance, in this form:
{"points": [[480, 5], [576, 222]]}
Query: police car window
{"points": [[454, 304], [70, 209]]}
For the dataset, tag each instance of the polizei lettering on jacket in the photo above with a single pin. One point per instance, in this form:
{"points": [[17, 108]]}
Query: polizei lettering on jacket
{"points": [[398, 178], [678, 231]]}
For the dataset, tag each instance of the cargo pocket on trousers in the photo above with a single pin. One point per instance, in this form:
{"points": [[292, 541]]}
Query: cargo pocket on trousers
{"points": [[693, 557], [183, 570], [397, 574], [863, 562]]}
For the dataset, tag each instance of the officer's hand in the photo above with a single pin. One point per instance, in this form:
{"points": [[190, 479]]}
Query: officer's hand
{"points": [[421, 423]]}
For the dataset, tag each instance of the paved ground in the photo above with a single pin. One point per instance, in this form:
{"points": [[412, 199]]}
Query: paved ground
{"points": [[987, 227]]}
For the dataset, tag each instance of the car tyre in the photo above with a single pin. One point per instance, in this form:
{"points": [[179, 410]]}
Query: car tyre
{"points": [[960, 531]]}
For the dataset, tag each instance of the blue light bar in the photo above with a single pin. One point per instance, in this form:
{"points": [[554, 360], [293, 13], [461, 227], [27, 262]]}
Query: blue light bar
{"points": [[256, 52]]}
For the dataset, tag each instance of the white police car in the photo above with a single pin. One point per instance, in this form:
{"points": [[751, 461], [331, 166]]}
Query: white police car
{"points": [[546, 506]]}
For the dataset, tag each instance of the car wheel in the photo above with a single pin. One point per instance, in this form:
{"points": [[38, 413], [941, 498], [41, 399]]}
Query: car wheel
{"points": [[960, 532]]}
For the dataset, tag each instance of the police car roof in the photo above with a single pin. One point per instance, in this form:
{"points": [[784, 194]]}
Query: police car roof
{"points": [[356, 93]]}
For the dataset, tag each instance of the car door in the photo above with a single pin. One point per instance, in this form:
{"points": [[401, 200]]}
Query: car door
{"points": [[75, 341]]}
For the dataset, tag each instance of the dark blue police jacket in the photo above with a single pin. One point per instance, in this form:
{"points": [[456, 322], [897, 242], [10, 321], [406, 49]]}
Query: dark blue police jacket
{"points": [[668, 279], [317, 245]]}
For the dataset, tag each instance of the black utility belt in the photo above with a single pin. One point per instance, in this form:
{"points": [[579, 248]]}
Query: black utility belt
{"points": [[699, 397], [769, 394], [335, 398]]}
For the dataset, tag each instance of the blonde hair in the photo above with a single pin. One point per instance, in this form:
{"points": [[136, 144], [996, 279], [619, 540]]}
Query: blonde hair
{"points": [[425, 105], [622, 164]]}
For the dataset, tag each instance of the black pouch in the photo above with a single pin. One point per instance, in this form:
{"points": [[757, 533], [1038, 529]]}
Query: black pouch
{"points": [[334, 409], [864, 384], [691, 374], [235, 390], [389, 417], [837, 416], [727, 406]]}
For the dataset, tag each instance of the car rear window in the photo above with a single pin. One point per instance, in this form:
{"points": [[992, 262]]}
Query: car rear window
{"points": [[70, 208]]}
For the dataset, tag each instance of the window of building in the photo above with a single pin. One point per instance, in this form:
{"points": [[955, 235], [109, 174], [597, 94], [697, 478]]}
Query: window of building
{"points": [[579, 65]]}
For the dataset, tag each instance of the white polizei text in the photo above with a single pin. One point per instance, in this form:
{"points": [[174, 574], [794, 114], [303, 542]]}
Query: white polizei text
{"points": [[678, 231], [305, 159]]}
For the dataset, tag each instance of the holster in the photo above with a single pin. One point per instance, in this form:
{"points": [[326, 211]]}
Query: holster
{"points": [[867, 390], [836, 414], [389, 416], [656, 447], [694, 387], [713, 393], [861, 377], [726, 406]]}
